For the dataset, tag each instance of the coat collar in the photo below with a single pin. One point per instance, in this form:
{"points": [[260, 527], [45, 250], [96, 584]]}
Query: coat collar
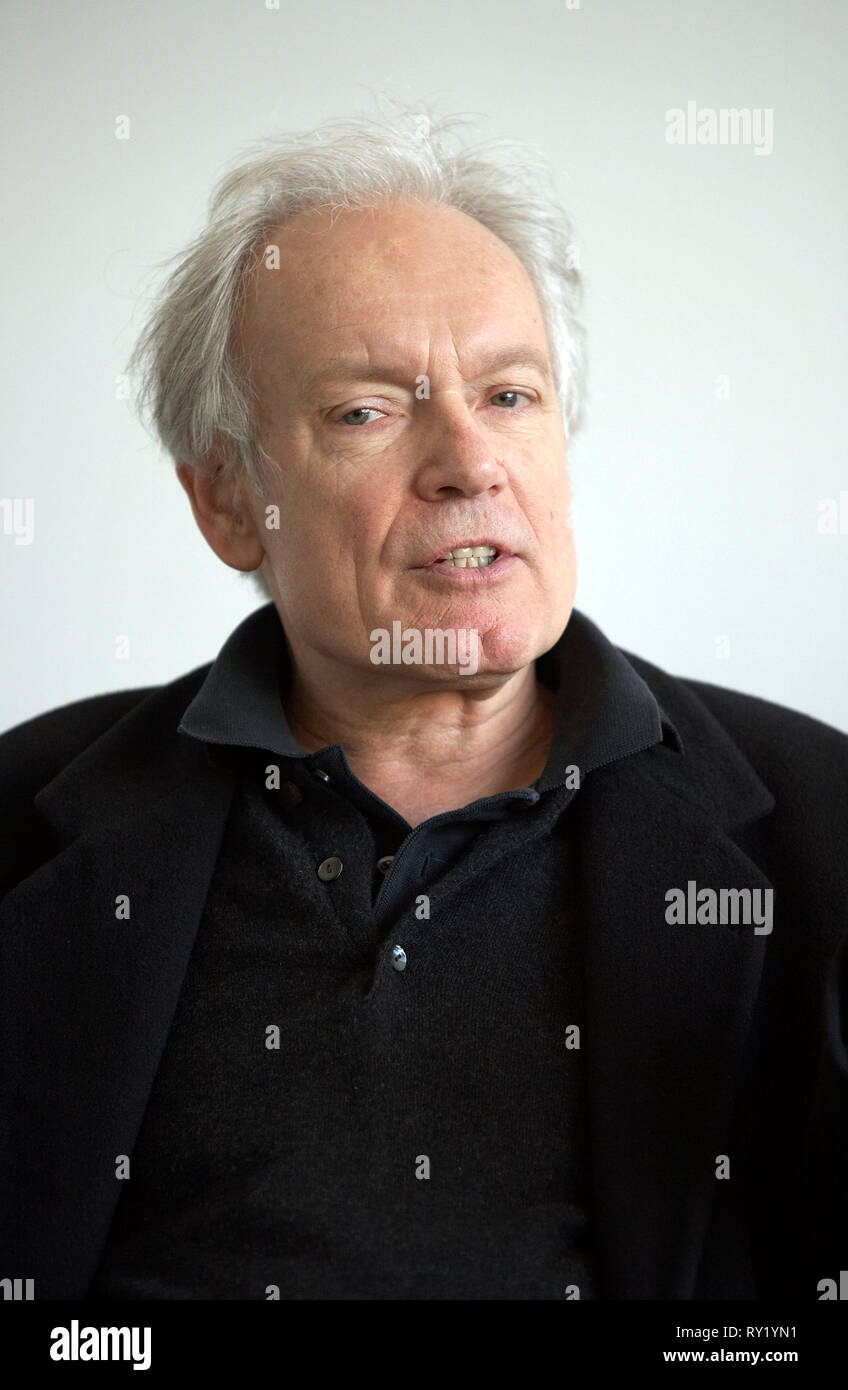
{"points": [[141, 814]]}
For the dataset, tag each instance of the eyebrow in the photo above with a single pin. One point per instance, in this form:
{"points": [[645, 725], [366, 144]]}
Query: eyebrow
{"points": [[360, 369]]}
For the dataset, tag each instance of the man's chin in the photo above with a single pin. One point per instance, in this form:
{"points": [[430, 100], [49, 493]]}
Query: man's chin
{"points": [[509, 648], [501, 644], [449, 655]]}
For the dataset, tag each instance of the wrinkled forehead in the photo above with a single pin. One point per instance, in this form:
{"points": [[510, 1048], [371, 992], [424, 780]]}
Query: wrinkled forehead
{"points": [[388, 277]]}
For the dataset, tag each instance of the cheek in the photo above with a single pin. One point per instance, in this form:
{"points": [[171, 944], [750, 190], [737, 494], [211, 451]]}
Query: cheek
{"points": [[327, 549], [559, 508], [362, 511], [368, 524]]}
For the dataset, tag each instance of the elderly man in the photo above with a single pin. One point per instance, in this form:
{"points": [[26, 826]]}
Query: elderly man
{"points": [[425, 944]]}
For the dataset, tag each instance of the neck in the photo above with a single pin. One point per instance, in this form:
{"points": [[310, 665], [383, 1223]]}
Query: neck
{"points": [[425, 751]]}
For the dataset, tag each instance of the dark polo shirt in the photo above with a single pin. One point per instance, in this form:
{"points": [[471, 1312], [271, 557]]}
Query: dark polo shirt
{"points": [[373, 1087]]}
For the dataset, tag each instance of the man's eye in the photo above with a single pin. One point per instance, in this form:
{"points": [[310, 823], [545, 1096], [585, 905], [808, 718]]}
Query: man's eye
{"points": [[511, 401], [360, 411]]}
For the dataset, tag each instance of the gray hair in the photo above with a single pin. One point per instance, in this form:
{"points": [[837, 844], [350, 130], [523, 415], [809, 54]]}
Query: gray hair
{"points": [[194, 385]]}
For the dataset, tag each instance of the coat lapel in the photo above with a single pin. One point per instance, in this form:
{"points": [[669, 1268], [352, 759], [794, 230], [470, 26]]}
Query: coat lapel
{"points": [[87, 997], [668, 1007]]}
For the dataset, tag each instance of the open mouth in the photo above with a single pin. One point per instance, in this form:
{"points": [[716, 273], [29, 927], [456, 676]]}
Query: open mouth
{"points": [[471, 553], [469, 557]]}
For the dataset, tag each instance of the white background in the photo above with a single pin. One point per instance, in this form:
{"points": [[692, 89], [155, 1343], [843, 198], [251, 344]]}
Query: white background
{"points": [[696, 517]]}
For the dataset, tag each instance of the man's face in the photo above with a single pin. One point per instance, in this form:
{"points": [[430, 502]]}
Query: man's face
{"points": [[406, 398]]}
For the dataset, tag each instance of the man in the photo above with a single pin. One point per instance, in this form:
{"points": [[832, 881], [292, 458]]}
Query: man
{"points": [[351, 966]]}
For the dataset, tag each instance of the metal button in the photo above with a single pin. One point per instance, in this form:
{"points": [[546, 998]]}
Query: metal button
{"points": [[399, 958], [330, 868], [323, 775], [292, 793], [383, 864]]}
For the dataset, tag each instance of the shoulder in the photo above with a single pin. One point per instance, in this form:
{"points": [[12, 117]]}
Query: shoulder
{"points": [[35, 751], [116, 731], [782, 744]]}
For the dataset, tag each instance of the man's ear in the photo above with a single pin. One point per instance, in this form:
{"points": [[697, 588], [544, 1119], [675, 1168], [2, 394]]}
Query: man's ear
{"points": [[217, 500]]}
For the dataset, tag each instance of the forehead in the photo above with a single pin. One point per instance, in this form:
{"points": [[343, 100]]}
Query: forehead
{"points": [[400, 274]]}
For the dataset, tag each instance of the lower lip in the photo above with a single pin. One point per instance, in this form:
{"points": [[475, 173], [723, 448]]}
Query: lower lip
{"points": [[477, 575]]}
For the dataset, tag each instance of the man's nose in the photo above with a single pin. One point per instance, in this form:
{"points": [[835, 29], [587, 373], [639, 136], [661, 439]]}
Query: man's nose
{"points": [[456, 456]]}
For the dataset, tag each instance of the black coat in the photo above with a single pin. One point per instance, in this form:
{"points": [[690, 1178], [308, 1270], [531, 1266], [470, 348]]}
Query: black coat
{"points": [[701, 1041]]}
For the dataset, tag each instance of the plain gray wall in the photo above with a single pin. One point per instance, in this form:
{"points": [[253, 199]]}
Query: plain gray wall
{"points": [[698, 517]]}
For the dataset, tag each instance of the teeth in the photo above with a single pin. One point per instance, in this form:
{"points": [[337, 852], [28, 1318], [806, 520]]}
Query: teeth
{"points": [[470, 556]]}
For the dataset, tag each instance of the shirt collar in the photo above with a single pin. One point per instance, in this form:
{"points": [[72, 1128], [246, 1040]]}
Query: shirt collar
{"points": [[604, 710]]}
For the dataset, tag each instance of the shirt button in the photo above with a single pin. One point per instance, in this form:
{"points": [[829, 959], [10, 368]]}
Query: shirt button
{"points": [[383, 864], [292, 793], [399, 958], [330, 868]]}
